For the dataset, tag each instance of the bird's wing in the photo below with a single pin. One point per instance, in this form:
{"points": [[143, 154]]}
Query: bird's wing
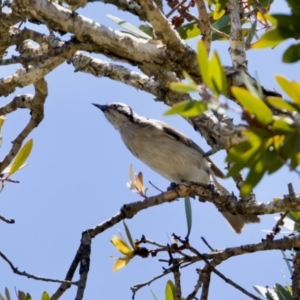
{"points": [[187, 141]]}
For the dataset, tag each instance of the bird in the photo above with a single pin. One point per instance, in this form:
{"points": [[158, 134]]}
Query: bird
{"points": [[168, 152]]}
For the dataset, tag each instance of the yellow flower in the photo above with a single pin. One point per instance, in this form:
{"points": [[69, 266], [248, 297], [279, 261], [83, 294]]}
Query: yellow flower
{"points": [[122, 247]]}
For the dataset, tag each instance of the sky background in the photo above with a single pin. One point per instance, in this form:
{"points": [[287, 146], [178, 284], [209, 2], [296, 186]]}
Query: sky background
{"points": [[76, 178]]}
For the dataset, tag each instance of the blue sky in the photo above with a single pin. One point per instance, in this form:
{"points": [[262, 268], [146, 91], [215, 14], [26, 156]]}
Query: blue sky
{"points": [[76, 179]]}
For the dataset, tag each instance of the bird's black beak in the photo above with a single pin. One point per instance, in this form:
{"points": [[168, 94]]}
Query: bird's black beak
{"points": [[102, 107]]}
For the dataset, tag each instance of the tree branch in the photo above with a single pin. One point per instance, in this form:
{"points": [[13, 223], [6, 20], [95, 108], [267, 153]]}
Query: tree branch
{"points": [[9, 221], [16, 271], [204, 24], [237, 46], [37, 115], [99, 68], [296, 275]]}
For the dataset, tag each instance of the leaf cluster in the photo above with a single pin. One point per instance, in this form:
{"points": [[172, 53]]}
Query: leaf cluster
{"points": [[272, 140], [284, 27]]}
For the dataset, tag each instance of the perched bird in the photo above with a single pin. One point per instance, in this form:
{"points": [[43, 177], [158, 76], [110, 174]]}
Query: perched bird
{"points": [[168, 152]]}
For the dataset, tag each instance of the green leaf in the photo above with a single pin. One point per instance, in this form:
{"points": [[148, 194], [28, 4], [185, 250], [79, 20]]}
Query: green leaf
{"points": [[219, 9], [282, 127], [291, 88], [154, 296], [246, 161], [21, 157], [251, 33], [189, 31], [180, 87], [21, 296], [8, 168], [45, 296], [294, 215], [254, 176], [295, 5], [287, 149], [253, 105], [291, 54], [249, 85], [218, 78], [148, 30], [202, 57], [170, 291], [128, 234], [272, 161], [282, 292], [236, 151], [245, 154], [187, 108], [291, 149], [188, 214], [129, 27], [295, 157], [288, 25], [7, 294], [281, 104], [221, 23], [28, 296], [287, 262], [270, 39]]}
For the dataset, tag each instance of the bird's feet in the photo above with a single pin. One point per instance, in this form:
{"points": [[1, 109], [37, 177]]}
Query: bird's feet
{"points": [[174, 187]]}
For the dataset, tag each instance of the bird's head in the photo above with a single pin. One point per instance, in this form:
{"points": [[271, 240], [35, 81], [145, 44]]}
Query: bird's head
{"points": [[118, 114]]}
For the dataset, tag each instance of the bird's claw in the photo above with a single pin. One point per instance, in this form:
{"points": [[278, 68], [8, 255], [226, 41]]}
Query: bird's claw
{"points": [[211, 187], [174, 187]]}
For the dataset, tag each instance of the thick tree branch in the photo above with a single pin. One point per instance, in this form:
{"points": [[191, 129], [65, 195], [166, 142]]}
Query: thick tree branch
{"points": [[85, 30], [151, 58], [24, 77], [175, 46], [220, 199], [99, 68], [286, 243], [7, 19]]}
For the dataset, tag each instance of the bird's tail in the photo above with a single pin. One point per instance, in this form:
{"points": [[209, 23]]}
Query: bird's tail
{"points": [[237, 222]]}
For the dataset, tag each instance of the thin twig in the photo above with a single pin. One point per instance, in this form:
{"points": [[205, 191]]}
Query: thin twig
{"points": [[155, 187], [174, 8], [213, 264], [207, 244], [16, 271], [9, 180], [204, 24], [9, 221], [220, 33], [136, 287], [238, 287]]}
